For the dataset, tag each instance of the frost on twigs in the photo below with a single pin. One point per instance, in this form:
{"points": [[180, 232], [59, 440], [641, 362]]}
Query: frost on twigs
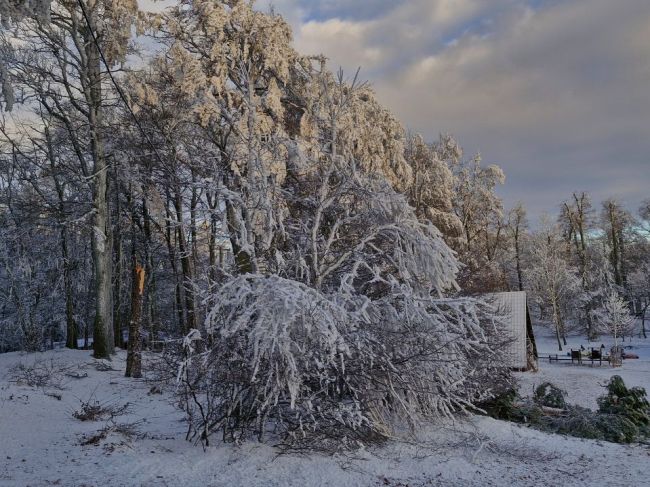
{"points": [[41, 374], [283, 360], [274, 354]]}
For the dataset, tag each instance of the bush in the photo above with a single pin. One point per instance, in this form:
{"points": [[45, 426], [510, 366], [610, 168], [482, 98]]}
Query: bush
{"points": [[622, 417], [327, 370], [42, 373], [528, 412], [629, 403], [550, 395], [617, 428], [508, 406], [501, 406], [576, 421]]}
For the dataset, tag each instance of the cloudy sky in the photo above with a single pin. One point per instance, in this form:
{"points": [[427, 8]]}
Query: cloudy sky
{"points": [[557, 92]]}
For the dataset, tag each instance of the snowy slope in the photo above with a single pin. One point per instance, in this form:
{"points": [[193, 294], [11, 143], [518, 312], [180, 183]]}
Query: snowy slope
{"points": [[40, 445]]}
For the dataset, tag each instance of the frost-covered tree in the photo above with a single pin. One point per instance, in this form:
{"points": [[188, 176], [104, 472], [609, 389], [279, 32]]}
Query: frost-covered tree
{"points": [[337, 313], [639, 290], [639, 277], [576, 220], [480, 211], [644, 214], [614, 318], [431, 192], [15, 11], [517, 229], [616, 221], [345, 119], [43, 253], [553, 281], [347, 324], [351, 343], [235, 63], [513, 257]]}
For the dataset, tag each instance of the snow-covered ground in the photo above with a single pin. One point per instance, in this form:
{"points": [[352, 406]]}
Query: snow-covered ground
{"points": [[584, 383], [40, 441]]}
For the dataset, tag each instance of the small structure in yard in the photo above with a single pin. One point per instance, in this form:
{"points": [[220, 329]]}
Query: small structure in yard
{"points": [[520, 351], [592, 357]]}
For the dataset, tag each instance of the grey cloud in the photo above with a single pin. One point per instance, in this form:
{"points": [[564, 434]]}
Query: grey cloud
{"points": [[557, 94]]}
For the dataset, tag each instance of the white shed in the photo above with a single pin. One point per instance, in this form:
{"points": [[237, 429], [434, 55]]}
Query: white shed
{"points": [[520, 352]]}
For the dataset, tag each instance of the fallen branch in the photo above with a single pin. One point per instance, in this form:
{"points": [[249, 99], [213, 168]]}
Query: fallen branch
{"points": [[103, 366], [77, 375], [553, 411], [128, 430]]}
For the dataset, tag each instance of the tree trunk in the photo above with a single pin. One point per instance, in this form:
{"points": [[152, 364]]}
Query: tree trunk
{"points": [[186, 267], [71, 326], [556, 320], [614, 241], [622, 259], [103, 344], [212, 240], [134, 351], [561, 326], [520, 279], [149, 270], [171, 246], [117, 245], [194, 201], [243, 259]]}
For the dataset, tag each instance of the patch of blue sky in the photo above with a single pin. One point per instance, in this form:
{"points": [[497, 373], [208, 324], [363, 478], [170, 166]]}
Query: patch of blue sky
{"points": [[316, 10]]}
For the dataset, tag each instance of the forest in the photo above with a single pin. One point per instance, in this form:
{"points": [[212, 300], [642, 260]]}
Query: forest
{"points": [[186, 181]]}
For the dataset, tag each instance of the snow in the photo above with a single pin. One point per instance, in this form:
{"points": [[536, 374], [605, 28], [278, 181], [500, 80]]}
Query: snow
{"points": [[41, 441], [584, 383]]}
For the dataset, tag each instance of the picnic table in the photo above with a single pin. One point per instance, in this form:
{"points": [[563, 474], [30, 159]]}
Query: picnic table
{"points": [[595, 356]]}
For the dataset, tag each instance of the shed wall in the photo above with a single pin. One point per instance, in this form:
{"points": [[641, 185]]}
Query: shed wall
{"points": [[512, 306]]}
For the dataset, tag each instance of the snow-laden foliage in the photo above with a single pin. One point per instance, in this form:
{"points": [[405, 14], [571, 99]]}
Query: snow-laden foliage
{"points": [[280, 357], [284, 322], [480, 211], [432, 192], [350, 231], [346, 119], [277, 357]]}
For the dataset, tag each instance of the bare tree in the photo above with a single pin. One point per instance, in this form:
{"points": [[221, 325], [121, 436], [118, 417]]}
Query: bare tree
{"points": [[554, 282], [517, 227]]}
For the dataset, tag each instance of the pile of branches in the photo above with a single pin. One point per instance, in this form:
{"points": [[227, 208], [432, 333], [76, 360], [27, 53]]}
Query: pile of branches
{"points": [[623, 414]]}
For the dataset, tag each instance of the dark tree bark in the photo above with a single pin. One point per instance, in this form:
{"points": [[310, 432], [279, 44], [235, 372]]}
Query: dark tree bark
{"points": [[117, 244], [134, 351], [103, 344], [71, 326], [186, 266]]}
